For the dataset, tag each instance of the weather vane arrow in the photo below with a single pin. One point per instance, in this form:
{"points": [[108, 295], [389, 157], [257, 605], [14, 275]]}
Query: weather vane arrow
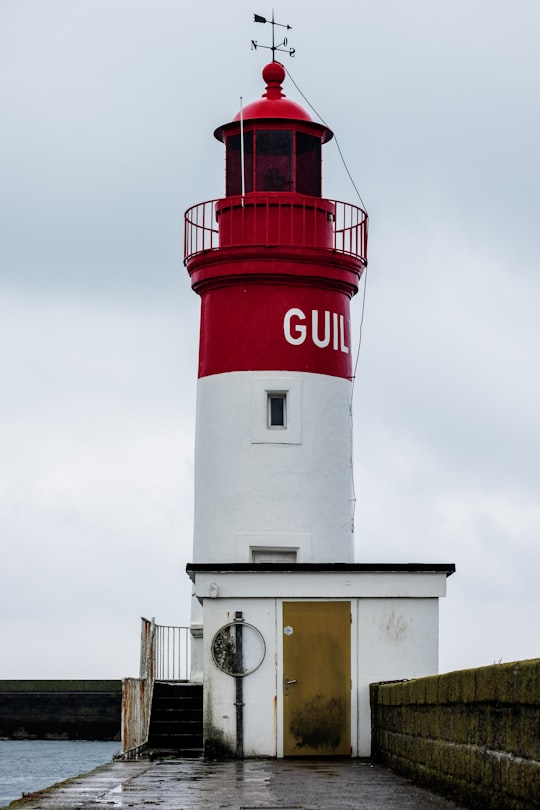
{"points": [[273, 47]]}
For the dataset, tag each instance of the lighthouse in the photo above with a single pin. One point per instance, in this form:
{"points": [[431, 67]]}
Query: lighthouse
{"points": [[287, 629], [275, 265]]}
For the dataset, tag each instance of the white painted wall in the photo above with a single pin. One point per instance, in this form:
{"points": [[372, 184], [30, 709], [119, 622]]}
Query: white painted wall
{"points": [[319, 584], [397, 638], [260, 688], [261, 487]]}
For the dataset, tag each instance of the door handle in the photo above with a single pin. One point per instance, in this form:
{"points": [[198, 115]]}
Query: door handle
{"points": [[288, 682]]}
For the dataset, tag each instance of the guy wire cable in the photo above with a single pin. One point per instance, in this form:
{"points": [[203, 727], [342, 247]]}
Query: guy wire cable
{"points": [[363, 294], [335, 139]]}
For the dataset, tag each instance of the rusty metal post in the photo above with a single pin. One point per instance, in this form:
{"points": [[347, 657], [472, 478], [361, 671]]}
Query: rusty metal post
{"points": [[239, 683]]}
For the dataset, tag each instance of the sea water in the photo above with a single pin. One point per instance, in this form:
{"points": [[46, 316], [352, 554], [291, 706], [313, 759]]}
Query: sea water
{"points": [[28, 765]]}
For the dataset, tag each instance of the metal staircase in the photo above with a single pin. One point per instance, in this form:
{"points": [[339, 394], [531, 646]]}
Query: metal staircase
{"points": [[162, 712]]}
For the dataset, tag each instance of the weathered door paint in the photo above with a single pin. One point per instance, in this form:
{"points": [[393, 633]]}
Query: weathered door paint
{"points": [[316, 678]]}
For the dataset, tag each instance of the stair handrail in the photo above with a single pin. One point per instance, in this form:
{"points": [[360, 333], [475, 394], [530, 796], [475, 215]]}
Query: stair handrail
{"points": [[164, 656], [172, 652]]}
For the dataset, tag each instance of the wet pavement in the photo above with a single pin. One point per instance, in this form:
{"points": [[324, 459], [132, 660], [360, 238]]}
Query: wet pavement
{"points": [[249, 785]]}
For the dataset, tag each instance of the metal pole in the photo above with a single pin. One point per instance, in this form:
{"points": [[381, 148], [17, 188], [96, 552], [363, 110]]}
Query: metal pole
{"points": [[242, 159], [239, 683]]}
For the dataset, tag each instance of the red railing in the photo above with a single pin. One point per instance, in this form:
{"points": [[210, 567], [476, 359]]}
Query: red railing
{"points": [[276, 220]]}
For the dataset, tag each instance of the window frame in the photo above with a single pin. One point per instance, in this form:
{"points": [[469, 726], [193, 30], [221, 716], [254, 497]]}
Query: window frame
{"points": [[276, 395], [262, 388]]}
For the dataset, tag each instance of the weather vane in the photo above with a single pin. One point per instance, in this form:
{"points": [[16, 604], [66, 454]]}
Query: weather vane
{"points": [[273, 47]]}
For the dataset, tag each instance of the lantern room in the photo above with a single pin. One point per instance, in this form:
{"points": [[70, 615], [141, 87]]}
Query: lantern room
{"points": [[281, 144]]}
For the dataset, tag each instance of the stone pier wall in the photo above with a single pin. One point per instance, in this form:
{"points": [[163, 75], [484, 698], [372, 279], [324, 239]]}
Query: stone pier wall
{"points": [[473, 735], [60, 710]]}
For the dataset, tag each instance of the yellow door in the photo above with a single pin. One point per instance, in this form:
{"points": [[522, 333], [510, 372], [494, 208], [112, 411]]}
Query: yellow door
{"points": [[316, 678]]}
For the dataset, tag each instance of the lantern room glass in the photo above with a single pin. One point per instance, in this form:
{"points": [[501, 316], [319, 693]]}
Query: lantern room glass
{"points": [[234, 164], [308, 164], [274, 160]]}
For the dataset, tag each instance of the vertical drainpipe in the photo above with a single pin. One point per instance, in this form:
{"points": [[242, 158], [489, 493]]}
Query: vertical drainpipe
{"points": [[239, 682]]}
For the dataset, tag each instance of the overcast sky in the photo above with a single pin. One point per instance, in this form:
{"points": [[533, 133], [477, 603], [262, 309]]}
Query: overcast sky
{"points": [[107, 112]]}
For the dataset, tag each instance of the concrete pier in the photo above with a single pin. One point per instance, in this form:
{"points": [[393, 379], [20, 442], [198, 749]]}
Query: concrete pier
{"points": [[190, 784]]}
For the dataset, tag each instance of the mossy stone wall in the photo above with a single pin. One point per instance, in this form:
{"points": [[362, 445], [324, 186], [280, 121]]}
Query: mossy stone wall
{"points": [[473, 734]]}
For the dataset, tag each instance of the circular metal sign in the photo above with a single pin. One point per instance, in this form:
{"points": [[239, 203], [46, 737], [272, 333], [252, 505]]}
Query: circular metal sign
{"points": [[238, 649]]}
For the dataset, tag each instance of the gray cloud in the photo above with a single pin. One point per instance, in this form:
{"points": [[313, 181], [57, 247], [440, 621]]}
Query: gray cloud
{"points": [[108, 114]]}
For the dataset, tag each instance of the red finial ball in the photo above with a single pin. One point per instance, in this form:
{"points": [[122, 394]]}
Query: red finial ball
{"points": [[273, 73]]}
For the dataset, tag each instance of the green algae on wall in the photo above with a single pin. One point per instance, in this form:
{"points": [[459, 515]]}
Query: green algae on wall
{"points": [[472, 734]]}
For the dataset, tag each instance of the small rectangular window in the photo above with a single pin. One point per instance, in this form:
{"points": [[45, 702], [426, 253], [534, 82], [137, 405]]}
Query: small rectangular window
{"points": [[277, 410], [279, 421], [273, 555]]}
